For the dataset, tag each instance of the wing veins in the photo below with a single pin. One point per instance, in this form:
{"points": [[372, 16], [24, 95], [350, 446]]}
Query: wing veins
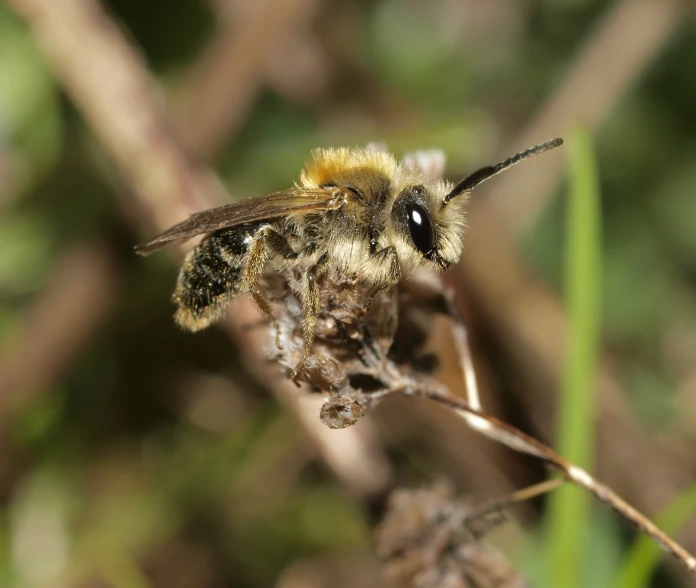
{"points": [[271, 206]]}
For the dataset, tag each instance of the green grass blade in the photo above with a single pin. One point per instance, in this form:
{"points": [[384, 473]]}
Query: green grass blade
{"points": [[568, 510], [643, 557]]}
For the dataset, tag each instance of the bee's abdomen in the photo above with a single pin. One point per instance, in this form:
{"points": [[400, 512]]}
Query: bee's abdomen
{"points": [[210, 277]]}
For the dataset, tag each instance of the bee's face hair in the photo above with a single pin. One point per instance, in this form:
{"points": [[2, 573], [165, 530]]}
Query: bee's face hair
{"points": [[428, 234]]}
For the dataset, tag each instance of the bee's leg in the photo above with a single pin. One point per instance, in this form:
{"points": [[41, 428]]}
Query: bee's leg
{"points": [[386, 273], [388, 270], [265, 242], [309, 299]]}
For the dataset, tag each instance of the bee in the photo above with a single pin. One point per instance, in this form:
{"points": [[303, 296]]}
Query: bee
{"points": [[357, 212]]}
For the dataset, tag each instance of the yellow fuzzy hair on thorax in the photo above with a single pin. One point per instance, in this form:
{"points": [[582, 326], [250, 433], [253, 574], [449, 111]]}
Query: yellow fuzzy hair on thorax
{"points": [[335, 165]]}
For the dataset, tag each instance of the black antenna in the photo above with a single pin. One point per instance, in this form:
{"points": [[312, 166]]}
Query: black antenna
{"points": [[485, 173]]}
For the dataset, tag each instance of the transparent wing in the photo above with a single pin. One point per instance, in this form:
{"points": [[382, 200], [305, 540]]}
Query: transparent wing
{"points": [[270, 206]]}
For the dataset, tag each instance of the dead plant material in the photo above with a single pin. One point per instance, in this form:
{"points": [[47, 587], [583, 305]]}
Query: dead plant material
{"points": [[429, 539]]}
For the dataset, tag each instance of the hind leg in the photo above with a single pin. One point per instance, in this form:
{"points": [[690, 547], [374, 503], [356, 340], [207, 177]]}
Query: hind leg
{"points": [[206, 283], [309, 298], [265, 242]]}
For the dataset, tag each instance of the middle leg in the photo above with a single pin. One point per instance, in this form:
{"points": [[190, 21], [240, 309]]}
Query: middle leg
{"points": [[309, 299], [266, 241]]}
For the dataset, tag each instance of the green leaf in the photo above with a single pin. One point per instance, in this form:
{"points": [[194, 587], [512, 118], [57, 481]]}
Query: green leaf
{"points": [[569, 506]]}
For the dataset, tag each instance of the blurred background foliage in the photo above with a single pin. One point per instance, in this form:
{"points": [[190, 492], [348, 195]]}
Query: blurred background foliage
{"points": [[136, 455]]}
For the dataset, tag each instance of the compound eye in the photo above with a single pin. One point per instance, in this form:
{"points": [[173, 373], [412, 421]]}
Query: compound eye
{"points": [[421, 228]]}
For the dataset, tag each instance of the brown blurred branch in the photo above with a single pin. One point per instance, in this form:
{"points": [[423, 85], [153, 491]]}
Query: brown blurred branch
{"points": [[106, 78], [57, 326], [297, 66], [225, 82], [627, 41], [93, 61]]}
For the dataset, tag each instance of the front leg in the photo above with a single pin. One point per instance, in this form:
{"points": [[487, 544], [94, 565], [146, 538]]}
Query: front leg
{"points": [[266, 241], [384, 270], [382, 321]]}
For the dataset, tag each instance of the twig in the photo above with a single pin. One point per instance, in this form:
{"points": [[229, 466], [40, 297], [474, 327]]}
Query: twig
{"points": [[296, 66], [225, 81], [519, 441], [105, 77], [398, 383], [629, 38]]}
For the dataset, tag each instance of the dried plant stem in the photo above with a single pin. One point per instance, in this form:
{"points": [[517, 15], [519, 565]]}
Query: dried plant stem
{"points": [[536, 490], [508, 500], [519, 441], [397, 382], [494, 428]]}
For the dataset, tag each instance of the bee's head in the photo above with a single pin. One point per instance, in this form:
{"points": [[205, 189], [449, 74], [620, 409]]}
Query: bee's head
{"points": [[428, 233], [429, 220]]}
